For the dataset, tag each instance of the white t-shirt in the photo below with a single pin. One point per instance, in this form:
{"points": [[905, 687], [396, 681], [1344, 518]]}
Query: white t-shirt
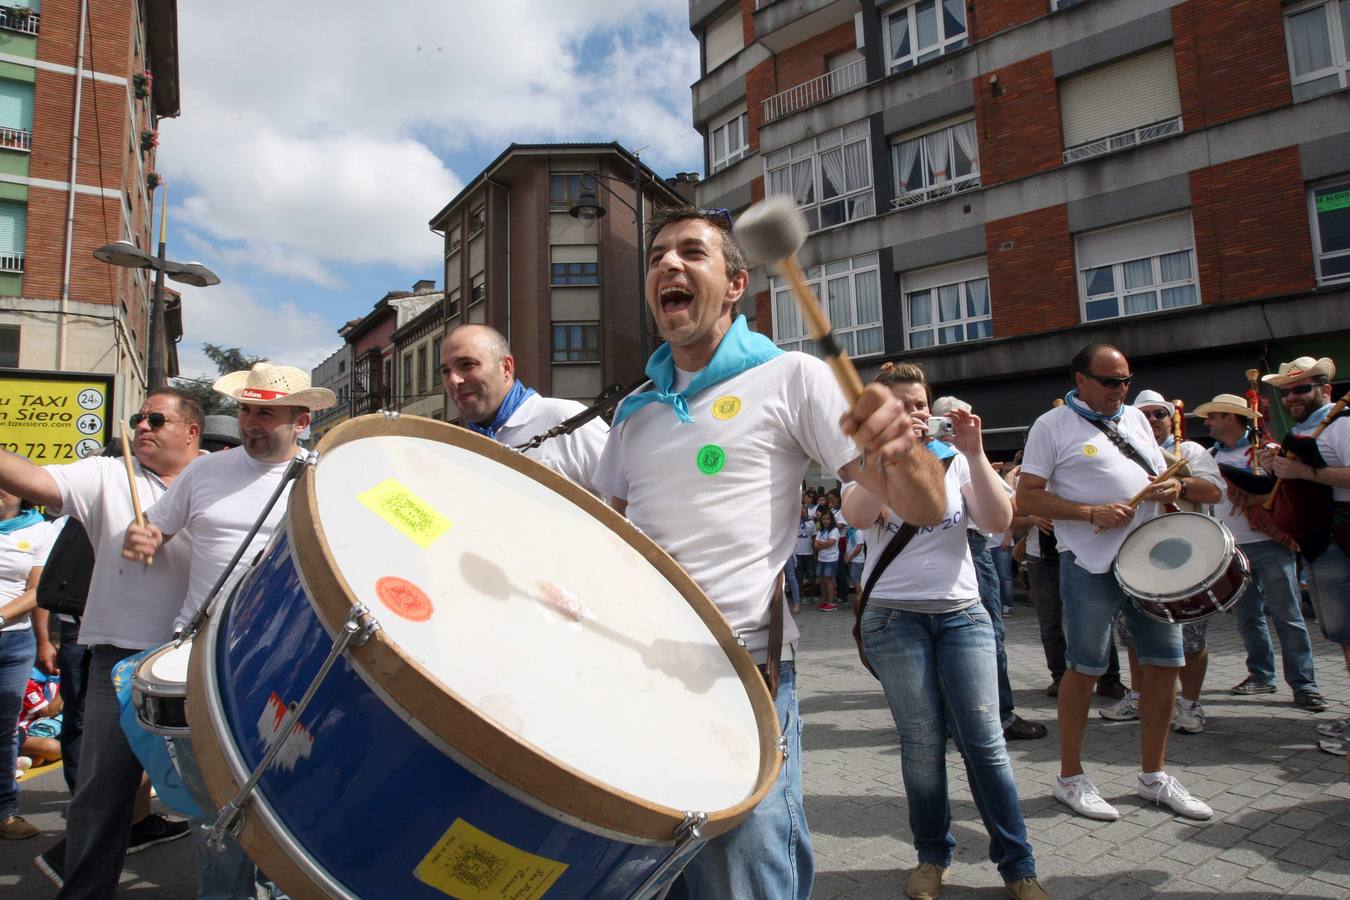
{"points": [[130, 605], [22, 551], [1334, 443], [1235, 520], [829, 553], [216, 501], [857, 537], [1081, 465], [719, 493], [574, 455], [935, 565], [806, 533]]}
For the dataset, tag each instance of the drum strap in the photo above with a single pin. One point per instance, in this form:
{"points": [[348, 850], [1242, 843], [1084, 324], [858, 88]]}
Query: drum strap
{"points": [[608, 400], [775, 656], [1124, 446]]}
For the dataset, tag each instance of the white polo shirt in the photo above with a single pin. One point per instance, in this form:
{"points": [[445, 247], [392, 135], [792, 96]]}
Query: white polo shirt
{"points": [[1334, 443], [1235, 520], [575, 455], [130, 605], [22, 551], [722, 494], [1081, 465]]}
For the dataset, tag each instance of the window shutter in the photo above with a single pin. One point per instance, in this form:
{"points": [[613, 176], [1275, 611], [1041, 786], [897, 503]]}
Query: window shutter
{"points": [[1121, 96], [723, 39], [16, 105]]}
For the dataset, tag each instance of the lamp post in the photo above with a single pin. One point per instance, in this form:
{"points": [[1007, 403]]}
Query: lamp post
{"points": [[588, 209], [127, 255]]}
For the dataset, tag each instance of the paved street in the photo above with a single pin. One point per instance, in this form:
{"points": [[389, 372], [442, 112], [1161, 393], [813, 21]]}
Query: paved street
{"points": [[1281, 828]]}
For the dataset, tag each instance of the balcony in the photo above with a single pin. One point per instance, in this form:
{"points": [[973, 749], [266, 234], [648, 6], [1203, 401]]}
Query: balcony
{"points": [[937, 191], [11, 262], [15, 139], [1124, 140], [19, 19], [817, 90]]}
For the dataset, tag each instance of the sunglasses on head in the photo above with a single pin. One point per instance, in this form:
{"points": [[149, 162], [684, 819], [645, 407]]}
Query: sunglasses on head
{"points": [[1158, 414], [718, 214], [156, 420], [1299, 389], [1111, 382]]}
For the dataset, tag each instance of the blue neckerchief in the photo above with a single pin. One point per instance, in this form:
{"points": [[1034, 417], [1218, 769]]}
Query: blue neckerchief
{"points": [[1242, 443], [1169, 443], [739, 350], [1313, 420], [1071, 400], [22, 520], [518, 394], [940, 450]]}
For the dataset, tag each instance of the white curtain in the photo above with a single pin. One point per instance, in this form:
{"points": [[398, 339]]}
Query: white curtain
{"points": [[855, 166], [832, 164], [802, 183], [1176, 266], [1138, 273], [938, 147], [977, 299], [949, 303], [841, 307], [907, 153], [966, 139], [1310, 39]]}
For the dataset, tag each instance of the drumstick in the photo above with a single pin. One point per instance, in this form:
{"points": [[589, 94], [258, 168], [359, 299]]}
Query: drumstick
{"points": [[1139, 497], [770, 233], [131, 483], [1335, 411]]}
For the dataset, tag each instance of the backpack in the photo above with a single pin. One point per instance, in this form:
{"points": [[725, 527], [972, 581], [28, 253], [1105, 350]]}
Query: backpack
{"points": [[64, 584]]}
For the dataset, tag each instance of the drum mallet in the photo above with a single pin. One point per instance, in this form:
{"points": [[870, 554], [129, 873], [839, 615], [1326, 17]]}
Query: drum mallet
{"points": [[131, 482], [770, 233]]}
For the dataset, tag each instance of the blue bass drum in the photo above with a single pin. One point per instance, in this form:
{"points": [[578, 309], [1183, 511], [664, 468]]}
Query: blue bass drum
{"points": [[544, 705]]}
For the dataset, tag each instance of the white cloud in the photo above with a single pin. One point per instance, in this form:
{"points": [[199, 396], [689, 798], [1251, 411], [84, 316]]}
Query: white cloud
{"points": [[230, 316]]}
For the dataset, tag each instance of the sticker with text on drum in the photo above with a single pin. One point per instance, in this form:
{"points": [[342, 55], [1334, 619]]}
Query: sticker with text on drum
{"points": [[392, 501], [473, 865]]}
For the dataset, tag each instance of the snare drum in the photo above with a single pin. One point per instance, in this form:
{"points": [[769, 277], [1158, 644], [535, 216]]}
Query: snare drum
{"points": [[159, 689], [1182, 567], [546, 706]]}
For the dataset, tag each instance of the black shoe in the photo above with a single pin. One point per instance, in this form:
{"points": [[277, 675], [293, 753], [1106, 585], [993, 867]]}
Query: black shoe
{"points": [[1250, 685], [1053, 689], [52, 863], [1022, 730], [155, 828], [1310, 700], [1113, 689]]}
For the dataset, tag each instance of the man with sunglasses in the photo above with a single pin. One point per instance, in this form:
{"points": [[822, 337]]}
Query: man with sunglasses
{"points": [[1305, 393], [128, 609], [1083, 462]]}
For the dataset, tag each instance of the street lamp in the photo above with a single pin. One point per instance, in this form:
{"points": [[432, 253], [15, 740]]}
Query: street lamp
{"points": [[127, 255], [588, 210]]}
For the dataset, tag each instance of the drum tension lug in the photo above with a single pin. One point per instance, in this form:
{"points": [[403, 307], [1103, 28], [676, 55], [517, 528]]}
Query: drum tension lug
{"points": [[389, 413], [739, 640], [690, 829]]}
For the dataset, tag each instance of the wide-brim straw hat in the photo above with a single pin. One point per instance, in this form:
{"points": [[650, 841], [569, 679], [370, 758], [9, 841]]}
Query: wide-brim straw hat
{"points": [[1153, 398], [269, 385], [1303, 367], [1226, 403]]}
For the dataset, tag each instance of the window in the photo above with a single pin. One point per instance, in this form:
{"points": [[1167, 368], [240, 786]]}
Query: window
{"points": [[1138, 268], [947, 304], [728, 142], [852, 292], [453, 241], [1330, 206], [477, 219], [452, 304], [1064, 4], [387, 387], [564, 190], [1318, 37], [477, 291], [574, 273], [936, 164], [342, 366], [407, 375], [13, 233], [829, 176], [921, 31], [423, 370], [16, 114], [1120, 105], [576, 342], [9, 346]]}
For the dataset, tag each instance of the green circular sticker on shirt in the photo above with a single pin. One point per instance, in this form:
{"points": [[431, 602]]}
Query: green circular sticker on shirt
{"points": [[711, 459]]}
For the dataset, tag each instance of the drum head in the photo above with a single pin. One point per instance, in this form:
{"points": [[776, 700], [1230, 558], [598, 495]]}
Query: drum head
{"points": [[529, 627], [167, 665], [1173, 555]]}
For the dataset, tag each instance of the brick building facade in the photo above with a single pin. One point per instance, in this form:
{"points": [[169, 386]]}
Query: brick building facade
{"points": [[992, 184]]}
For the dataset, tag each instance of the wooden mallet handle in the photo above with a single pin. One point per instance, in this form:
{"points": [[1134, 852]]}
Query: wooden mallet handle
{"points": [[131, 481], [819, 326]]}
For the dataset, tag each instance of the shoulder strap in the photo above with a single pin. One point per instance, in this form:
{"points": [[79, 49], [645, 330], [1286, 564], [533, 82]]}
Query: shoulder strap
{"points": [[898, 542], [608, 400], [1124, 446]]}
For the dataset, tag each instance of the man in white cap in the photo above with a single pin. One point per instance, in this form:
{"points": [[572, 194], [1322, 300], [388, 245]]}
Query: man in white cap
{"points": [[1274, 587], [1305, 393], [479, 375], [1200, 483]]}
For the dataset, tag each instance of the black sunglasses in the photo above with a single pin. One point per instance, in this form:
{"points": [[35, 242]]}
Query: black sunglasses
{"points": [[717, 214], [1299, 389], [1158, 414], [1111, 382], [157, 420]]}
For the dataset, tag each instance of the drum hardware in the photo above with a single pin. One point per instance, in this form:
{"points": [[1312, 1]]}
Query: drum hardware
{"points": [[358, 628], [389, 413], [688, 836], [739, 640], [301, 461]]}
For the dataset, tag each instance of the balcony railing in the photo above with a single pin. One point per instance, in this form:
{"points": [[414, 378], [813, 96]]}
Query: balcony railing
{"points": [[15, 139], [11, 262], [831, 84], [1124, 141], [945, 189], [23, 22]]}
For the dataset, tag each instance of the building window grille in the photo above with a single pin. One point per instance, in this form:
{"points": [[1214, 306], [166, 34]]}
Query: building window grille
{"points": [[851, 289]]}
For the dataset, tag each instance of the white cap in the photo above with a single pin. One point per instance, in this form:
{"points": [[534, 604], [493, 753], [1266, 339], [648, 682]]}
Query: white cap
{"points": [[1153, 398]]}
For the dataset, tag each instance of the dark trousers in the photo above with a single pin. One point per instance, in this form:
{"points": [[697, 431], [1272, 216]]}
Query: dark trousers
{"points": [[73, 658]]}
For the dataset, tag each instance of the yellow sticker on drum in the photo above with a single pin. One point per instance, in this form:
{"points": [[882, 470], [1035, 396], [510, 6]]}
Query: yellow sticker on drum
{"points": [[1089, 449], [473, 865], [398, 506]]}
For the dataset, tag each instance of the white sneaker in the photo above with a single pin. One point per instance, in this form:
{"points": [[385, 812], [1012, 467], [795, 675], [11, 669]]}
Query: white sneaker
{"points": [[1188, 717], [1167, 790], [1081, 796], [1122, 710], [1334, 728]]}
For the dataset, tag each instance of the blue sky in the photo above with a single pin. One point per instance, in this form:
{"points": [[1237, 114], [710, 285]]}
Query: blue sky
{"points": [[318, 138]]}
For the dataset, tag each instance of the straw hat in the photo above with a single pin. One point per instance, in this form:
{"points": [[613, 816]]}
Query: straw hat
{"points": [[1225, 403], [269, 385], [1303, 367], [1153, 398]]}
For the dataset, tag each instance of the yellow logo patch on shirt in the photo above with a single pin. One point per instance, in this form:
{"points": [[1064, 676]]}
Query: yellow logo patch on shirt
{"points": [[1089, 449], [25, 546], [726, 407]]}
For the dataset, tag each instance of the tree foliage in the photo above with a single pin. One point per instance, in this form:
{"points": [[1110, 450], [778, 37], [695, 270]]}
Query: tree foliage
{"points": [[227, 359]]}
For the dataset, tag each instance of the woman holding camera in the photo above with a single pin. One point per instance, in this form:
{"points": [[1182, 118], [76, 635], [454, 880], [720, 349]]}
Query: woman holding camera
{"points": [[931, 644]]}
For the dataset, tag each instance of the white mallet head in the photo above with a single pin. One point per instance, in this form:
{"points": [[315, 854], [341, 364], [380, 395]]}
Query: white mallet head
{"points": [[771, 230]]}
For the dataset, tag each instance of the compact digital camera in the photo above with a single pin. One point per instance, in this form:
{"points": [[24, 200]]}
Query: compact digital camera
{"points": [[940, 427]]}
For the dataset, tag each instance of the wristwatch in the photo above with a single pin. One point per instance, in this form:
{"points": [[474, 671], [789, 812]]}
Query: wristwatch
{"points": [[2, 621], [1181, 495]]}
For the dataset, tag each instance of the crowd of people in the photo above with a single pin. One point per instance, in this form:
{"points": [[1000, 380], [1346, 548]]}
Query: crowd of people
{"points": [[708, 459]]}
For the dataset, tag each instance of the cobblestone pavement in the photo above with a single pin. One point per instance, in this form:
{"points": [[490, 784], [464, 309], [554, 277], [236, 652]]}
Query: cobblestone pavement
{"points": [[1281, 825], [1282, 807]]}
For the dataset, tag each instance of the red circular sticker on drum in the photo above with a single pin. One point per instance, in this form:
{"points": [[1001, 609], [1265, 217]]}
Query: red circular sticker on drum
{"points": [[404, 598]]}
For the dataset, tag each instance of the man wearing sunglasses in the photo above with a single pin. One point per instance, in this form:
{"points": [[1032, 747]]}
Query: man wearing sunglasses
{"points": [[128, 609], [1083, 462], [1305, 393]]}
